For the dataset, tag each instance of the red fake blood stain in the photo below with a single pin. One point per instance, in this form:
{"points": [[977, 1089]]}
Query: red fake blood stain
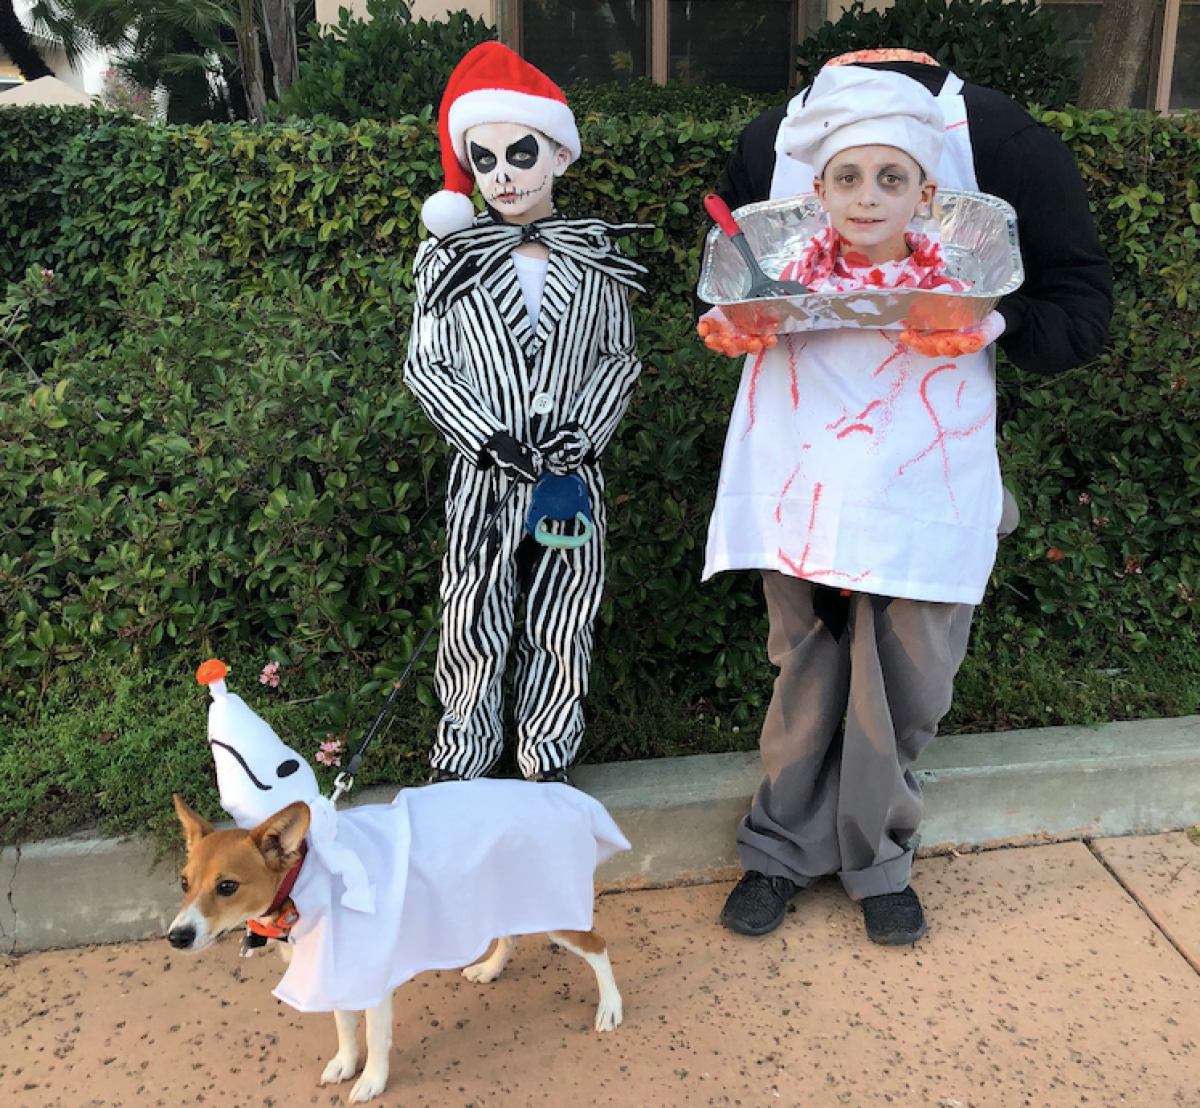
{"points": [[942, 435], [800, 568], [787, 486], [752, 391], [792, 352]]}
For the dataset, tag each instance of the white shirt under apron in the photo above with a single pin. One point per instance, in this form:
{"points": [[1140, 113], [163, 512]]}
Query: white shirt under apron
{"points": [[531, 275], [854, 462]]}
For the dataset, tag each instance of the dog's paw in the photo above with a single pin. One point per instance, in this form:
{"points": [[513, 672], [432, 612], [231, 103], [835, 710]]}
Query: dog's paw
{"points": [[609, 1015], [367, 1087], [339, 1069], [482, 973]]}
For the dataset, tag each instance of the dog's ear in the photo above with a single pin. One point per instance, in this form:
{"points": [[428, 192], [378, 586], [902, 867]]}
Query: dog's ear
{"points": [[279, 837], [194, 827]]}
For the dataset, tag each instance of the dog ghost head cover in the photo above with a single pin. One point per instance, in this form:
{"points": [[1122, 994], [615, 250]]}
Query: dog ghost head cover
{"points": [[493, 85], [256, 773]]}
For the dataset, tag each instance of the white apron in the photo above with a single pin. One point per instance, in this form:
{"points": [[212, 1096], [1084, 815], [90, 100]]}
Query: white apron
{"points": [[454, 866], [854, 462]]}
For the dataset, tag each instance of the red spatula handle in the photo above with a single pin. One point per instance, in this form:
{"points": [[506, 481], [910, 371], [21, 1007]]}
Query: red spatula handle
{"points": [[722, 216]]}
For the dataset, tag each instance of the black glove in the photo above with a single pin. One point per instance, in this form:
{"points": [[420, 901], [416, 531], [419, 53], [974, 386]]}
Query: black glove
{"points": [[567, 449], [513, 457]]}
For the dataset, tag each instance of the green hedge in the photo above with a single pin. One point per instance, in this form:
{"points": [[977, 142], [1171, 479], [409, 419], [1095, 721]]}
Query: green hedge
{"points": [[218, 451]]}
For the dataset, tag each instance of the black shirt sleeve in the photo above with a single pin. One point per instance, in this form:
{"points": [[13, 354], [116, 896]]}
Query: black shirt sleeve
{"points": [[1059, 317]]}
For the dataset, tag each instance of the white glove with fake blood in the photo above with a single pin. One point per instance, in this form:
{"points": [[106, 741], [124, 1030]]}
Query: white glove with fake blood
{"points": [[949, 344]]}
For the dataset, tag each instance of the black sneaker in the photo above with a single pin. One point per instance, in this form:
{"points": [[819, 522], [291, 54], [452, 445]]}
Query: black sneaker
{"points": [[758, 903], [557, 776], [438, 776], [894, 919]]}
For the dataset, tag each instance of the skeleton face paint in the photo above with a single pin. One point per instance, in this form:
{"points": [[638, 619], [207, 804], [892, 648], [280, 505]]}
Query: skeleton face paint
{"points": [[515, 168]]}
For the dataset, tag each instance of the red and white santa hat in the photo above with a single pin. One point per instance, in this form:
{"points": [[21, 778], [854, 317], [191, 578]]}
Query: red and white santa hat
{"points": [[491, 85]]}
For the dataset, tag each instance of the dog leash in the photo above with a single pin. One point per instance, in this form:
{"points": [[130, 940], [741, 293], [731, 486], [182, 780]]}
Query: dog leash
{"points": [[344, 781]]}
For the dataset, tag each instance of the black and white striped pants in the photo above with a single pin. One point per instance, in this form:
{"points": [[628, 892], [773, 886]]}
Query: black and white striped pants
{"points": [[553, 649]]}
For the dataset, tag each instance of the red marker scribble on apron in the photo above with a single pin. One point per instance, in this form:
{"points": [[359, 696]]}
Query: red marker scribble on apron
{"points": [[943, 435], [792, 352], [787, 485], [860, 425], [800, 569], [900, 349], [753, 389]]}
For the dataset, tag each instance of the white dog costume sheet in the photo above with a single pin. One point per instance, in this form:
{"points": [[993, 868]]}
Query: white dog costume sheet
{"points": [[454, 866], [426, 882]]}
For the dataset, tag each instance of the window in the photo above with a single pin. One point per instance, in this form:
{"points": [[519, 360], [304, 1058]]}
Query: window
{"points": [[1169, 76], [748, 44], [1183, 83], [593, 40]]}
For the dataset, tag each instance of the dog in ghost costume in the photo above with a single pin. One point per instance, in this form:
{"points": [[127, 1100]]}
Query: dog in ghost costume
{"points": [[522, 354], [384, 892]]}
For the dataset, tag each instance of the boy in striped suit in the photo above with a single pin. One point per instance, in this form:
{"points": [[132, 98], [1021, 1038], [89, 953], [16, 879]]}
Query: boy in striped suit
{"points": [[522, 354]]}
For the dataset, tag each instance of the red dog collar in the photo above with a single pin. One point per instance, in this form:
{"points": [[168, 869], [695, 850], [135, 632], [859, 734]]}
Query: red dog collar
{"points": [[278, 928]]}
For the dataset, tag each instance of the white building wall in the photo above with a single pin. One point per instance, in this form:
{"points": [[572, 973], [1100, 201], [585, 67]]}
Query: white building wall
{"points": [[87, 78]]}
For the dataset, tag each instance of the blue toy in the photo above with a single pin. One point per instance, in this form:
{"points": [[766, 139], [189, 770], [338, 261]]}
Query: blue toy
{"points": [[558, 499]]}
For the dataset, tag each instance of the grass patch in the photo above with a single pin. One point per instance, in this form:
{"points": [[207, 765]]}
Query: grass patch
{"points": [[106, 744]]}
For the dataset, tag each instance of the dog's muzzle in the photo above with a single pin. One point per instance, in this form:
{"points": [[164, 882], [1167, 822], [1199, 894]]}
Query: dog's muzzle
{"points": [[182, 937]]}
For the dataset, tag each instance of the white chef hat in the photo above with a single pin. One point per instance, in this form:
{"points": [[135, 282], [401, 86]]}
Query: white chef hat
{"points": [[258, 775], [852, 106]]}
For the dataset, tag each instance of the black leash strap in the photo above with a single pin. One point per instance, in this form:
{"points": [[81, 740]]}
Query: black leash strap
{"points": [[345, 780]]}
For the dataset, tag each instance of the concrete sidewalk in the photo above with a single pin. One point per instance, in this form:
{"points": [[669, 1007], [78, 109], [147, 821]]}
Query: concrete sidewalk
{"points": [[1052, 976], [1048, 785]]}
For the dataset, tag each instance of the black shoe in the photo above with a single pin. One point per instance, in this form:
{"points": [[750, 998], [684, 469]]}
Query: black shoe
{"points": [[894, 919], [758, 903], [438, 776], [557, 776]]}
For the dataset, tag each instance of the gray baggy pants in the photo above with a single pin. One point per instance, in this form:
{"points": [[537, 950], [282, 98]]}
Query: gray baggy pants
{"points": [[849, 715]]}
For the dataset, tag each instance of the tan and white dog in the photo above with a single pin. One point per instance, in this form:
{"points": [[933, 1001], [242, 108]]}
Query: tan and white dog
{"points": [[232, 877]]}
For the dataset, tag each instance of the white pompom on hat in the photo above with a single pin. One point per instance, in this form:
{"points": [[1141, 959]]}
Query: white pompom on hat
{"points": [[852, 106], [491, 85]]}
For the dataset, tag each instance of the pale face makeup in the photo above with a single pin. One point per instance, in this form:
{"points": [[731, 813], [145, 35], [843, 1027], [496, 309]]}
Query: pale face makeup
{"points": [[514, 168], [871, 194]]}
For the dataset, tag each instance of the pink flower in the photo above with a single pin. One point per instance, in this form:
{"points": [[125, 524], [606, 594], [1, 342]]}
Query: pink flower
{"points": [[1084, 498], [270, 675], [330, 753]]}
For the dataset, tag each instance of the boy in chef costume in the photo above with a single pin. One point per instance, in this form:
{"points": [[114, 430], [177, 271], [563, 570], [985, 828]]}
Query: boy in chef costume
{"points": [[873, 194], [861, 477], [522, 354]]}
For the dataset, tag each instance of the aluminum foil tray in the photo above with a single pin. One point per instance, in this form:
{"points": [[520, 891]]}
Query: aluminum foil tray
{"points": [[979, 241]]}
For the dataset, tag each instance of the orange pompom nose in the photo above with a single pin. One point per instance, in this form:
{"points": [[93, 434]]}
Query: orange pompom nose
{"points": [[212, 670]]}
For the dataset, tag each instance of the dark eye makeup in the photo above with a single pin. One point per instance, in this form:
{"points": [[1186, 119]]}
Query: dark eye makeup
{"points": [[482, 158], [523, 153]]}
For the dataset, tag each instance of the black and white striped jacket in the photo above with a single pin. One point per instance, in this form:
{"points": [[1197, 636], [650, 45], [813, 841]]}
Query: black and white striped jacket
{"points": [[479, 367]]}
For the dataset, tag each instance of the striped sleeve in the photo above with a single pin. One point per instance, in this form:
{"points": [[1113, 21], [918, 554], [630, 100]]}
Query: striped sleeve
{"points": [[433, 370], [598, 407]]}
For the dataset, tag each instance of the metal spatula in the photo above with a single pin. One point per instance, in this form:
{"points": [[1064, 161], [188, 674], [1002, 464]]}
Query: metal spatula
{"points": [[761, 286]]}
